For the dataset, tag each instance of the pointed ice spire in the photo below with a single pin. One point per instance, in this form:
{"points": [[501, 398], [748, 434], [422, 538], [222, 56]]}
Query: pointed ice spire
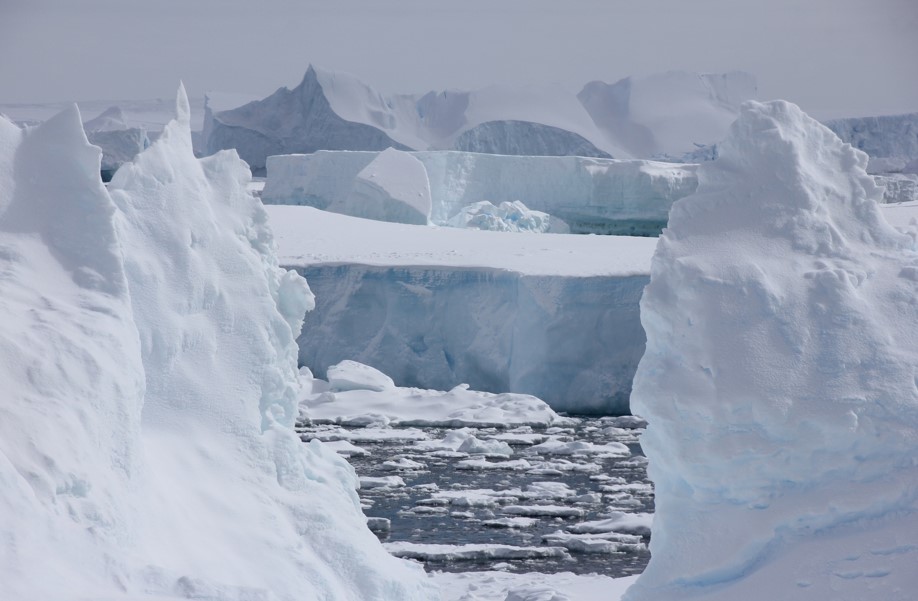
{"points": [[182, 107]]}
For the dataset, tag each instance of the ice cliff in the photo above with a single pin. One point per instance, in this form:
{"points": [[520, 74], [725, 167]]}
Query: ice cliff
{"points": [[150, 384], [661, 115], [779, 379], [591, 195], [437, 307]]}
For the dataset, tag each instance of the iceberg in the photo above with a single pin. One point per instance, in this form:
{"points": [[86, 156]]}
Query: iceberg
{"points": [[590, 195], [779, 377], [119, 142], [392, 187], [508, 217], [889, 136], [551, 316], [638, 117], [149, 364]]}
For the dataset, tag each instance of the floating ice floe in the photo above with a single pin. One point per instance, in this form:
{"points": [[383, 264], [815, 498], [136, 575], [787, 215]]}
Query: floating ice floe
{"points": [[470, 552], [618, 521], [558, 511], [579, 447]]}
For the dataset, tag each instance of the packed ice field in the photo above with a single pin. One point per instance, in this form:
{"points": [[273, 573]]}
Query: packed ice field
{"points": [[506, 344]]}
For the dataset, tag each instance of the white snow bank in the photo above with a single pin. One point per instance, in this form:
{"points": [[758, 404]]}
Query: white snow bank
{"points": [[508, 217], [393, 187], [591, 195], [779, 377], [903, 215], [552, 316], [147, 444]]}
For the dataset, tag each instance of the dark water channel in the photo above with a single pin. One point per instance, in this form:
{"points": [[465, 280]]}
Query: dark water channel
{"points": [[457, 498]]}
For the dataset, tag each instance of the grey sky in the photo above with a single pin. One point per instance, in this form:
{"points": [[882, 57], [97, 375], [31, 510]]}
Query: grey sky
{"points": [[833, 57]]}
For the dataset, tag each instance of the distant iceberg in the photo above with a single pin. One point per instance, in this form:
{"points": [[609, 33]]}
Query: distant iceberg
{"points": [[638, 117]]}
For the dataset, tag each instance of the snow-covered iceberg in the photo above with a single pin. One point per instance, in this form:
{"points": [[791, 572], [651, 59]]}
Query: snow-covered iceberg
{"points": [[150, 389], [638, 117], [779, 380], [590, 195], [552, 316]]}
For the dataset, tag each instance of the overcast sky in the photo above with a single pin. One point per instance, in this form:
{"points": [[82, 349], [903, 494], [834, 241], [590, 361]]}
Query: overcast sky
{"points": [[833, 57]]}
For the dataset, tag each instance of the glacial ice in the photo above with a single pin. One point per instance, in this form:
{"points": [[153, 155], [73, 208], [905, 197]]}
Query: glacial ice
{"points": [[779, 377], [638, 117], [150, 380], [552, 316], [590, 195]]}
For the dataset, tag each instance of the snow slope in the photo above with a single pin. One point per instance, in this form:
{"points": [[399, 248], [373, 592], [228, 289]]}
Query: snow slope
{"points": [[590, 195], [150, 389], [666, 114], [779, 377], [552, 316]]}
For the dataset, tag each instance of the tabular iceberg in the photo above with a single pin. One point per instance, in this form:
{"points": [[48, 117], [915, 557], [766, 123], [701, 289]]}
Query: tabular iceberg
{"points": [[779, 379], [890, 136], [552, 316], [150, 378], [590, 195]]}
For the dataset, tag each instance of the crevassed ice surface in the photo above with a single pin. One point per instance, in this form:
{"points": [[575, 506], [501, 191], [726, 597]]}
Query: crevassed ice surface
{"points": [[151, 384], [779, 379], [590, 195]]}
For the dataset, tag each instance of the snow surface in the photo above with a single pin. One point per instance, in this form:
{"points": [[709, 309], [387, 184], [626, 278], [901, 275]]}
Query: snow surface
{"points": [[150, 389], [779, 380], [637, 117], [552, 316], [590, 195]]}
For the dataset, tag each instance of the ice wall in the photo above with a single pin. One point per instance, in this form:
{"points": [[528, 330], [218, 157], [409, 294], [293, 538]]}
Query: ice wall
{"points": [[892, 136], [572, 341], [779, 377], [150, 387], [590, 195]]}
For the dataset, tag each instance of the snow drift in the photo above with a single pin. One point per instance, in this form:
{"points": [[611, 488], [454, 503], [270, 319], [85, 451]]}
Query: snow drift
{"points": [[150, 384], [779, 379], [638, 117], [590, 195]]}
